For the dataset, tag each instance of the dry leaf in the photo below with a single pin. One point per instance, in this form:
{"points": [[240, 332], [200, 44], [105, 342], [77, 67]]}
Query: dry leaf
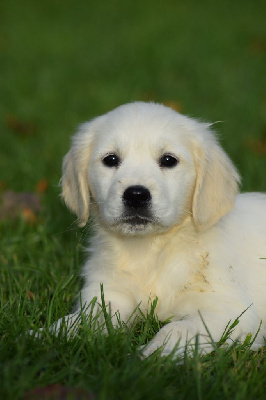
{"points": [[25, 204], [42, 185], [148, 96], [19, 127], [58, 392], [258, 145], [29, 216], [258, 45], [3, 186], [175, 105], [30, 295]]}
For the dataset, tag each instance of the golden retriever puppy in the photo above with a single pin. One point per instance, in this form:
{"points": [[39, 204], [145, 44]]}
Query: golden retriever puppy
{"points": [[168, 224]]}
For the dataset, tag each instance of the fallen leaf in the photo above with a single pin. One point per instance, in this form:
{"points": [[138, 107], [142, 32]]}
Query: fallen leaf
{"points": [[258, 45], [30, 295], [19, 127], [175, 105], [58, 392], [148, 96], [29, 216], [258, 145], [3, 185], [42, 185], [25, 204]]}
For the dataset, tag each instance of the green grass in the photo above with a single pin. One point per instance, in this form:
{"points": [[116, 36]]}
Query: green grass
{"points": [[63, 62]]}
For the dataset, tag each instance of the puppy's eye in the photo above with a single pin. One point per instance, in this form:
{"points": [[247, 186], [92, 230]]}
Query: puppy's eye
{"points": [[168, 161], [111, 160]]}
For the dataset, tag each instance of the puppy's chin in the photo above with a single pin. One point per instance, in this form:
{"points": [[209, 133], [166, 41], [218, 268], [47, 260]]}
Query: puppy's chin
{"points": [[136, 226], [134, 230]]}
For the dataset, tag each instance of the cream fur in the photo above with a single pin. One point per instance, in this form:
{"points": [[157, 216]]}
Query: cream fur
{"points": [[203, 250]]}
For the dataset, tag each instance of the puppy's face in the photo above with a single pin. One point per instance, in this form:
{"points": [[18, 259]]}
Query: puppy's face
{"points": [[141, 172], [144, 168]]}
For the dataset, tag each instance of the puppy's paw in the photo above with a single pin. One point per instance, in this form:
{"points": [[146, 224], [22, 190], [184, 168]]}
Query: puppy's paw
{"points": [[166, 340], [67, 325], [177, 338], [36, 334]]}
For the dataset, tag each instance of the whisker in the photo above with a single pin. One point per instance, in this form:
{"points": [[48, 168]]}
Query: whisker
{"points": [[69, 229]]}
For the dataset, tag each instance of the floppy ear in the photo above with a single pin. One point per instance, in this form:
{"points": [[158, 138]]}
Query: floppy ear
{"points": [[74, 181], [217, 183]]}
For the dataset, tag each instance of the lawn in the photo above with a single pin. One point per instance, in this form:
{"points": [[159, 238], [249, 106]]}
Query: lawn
{"points": [[61, 63]]}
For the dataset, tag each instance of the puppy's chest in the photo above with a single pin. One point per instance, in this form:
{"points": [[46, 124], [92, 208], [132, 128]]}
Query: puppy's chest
{"points": [[166, 275], [184, 273]]}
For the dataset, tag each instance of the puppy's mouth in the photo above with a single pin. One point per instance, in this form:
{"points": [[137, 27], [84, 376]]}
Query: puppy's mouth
{"points": [[136, 223], [135, 220]]}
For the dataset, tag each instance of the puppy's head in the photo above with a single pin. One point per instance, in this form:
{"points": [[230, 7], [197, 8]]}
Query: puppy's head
{"points": [[145, 168]]}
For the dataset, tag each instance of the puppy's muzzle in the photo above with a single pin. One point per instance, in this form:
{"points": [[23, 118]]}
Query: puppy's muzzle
{"points": [[136, 196]]}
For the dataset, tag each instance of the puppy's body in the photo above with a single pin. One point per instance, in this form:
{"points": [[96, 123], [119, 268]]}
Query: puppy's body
{"points": [[168, 224], [188, 271]]}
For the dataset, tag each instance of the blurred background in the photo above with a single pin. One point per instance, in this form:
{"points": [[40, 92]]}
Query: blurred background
{"points": [[63, 62]]}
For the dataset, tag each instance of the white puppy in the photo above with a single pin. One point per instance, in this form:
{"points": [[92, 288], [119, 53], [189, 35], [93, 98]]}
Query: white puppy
{"points": [[168, 224]]}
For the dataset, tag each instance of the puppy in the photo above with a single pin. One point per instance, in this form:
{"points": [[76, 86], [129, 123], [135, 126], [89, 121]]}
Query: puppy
{"points": [[168, 224]]}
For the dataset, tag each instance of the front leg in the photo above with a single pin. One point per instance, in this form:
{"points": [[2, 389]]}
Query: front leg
{"points": [[116, 304], [183, 335]]}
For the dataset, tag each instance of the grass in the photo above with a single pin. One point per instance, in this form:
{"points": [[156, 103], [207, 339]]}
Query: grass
{"points": [[63, 62]]}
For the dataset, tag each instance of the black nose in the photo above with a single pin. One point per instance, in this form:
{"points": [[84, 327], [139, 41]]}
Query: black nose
{"points": [[136, 196]]}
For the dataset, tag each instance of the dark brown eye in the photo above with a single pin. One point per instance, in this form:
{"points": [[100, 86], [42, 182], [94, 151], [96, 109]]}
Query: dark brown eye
{"points": [[111, 160], [168, 161]]}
